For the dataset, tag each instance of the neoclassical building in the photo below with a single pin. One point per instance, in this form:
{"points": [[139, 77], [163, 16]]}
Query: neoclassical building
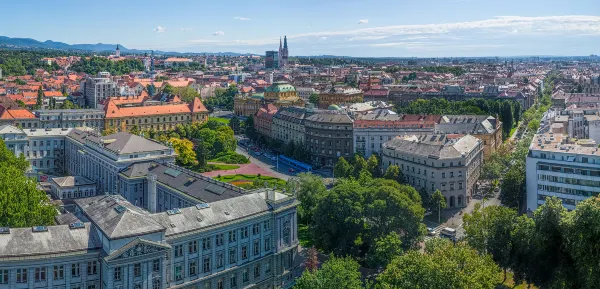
{"points": [[249, 241], [280, 94]]}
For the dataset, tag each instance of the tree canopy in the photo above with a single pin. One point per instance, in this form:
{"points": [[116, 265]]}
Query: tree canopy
{"points": [[94, 64]]}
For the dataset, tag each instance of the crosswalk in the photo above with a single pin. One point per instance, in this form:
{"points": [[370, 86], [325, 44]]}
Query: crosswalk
{"points": [[437, 228]]}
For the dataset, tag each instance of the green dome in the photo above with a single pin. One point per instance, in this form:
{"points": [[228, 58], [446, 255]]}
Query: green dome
{"points": [[258, 96], [333, 107], [280, 87]]}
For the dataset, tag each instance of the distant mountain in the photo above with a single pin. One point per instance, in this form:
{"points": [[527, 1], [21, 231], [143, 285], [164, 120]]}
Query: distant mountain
{"points": [[27, 43]]}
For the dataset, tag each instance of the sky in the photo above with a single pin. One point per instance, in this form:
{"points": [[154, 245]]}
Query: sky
{"points": [[365, 28]]}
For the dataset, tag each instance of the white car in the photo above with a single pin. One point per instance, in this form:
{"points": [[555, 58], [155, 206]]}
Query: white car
{"points": [[257, 153]]}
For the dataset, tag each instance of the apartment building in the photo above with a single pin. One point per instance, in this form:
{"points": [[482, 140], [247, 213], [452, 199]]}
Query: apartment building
{"points": [[433, 162], [328, 137], [561, 167], [486, 128], [96, 90], [288, 124], [71, 118]]}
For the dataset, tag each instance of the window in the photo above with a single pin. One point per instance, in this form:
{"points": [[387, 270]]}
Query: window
{"points": [[255, 229], [257, 271], [75, 270], [206, 264], [178, 250], [117, 274], [244, 252], [22, 275], [155, 265], [137, 270], [91, 286], [266, 225], [220, 259], [232, 236], [452, 174], [267, 267], [3, 276], [92, 267], [267, 244], [232, 255], [245, 277], [206, 244], [156, 283], [232, 281], [460, 185], [40, 274], [220, 283], [178, 272], [193, 247], [193, 267], [207, 285], [219, 240], [244, 232], [443, 175]]}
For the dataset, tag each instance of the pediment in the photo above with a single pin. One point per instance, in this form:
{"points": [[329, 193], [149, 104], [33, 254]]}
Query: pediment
{"points": [[136, 248]]}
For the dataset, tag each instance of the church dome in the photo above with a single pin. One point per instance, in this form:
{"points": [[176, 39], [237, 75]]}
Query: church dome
{"points": [[333, 107]]}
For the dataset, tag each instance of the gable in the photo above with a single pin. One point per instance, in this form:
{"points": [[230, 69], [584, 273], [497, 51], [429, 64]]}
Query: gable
{"points": [[137, 248]]}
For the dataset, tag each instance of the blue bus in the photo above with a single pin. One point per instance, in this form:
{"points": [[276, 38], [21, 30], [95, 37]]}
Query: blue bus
{"points": [[297, 165]]}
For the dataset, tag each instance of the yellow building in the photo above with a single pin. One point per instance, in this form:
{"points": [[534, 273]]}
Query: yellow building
{"points": [[280, 94]]}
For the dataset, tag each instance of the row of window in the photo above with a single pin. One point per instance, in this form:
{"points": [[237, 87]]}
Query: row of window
{"points": [[193, 271], [569, 170], [570, 181], [568, 191], [40, 273]]}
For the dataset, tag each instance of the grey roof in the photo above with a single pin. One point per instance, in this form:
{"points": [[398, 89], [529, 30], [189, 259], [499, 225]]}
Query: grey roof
{"points": [[466, 124], [71, 181], [121, 142], [330, 117], [23, 242], [434, 146], [103, 212], [202, 188], [291, 114], [192, 218], [381, 114], [6, 129]]}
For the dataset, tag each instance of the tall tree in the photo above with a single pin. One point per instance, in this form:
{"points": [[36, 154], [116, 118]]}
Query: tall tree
{"points": [[335, 273], [185, 151], [507, 118], [512, 192], [359, 165], [342, 168], [310, 188], [314, 99], [373, 166], [437, 204], [234, 123], [443, 266], [40, 98]]}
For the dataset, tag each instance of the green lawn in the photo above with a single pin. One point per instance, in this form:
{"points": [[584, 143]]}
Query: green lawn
{"points": [[223, 167], [512, 131], [220, 119], [251, 178], [304, 236], [510, 284]]}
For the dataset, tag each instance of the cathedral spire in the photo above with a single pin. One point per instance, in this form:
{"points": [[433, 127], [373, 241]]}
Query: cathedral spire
{"points": [[280, 43], [285, 42]]}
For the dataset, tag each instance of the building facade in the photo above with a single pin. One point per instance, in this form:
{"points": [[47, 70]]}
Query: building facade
{"points": [[339, 97], [71, 118], [559, 167], [328, 137], [281, 94], [245, 242], [263, 120], [153, 117], [372, 129], [486, 128], [96, 90], [288, 124], [438, 162]]}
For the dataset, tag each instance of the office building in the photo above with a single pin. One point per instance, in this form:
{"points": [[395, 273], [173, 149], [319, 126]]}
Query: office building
{"points": [[96, 90], [71, 118], [561, 167], [328, 137], [433, 162], [271, 60]]}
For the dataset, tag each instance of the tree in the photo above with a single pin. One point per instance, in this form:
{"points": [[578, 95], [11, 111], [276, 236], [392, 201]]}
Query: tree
{"points": [[359, 165], [335, 273], [522, 249], [249, 128], [385, 249], [312, 259], [67, 104], [185, 151], [516, 112], [489, 230], [234, 123], [393, 173], [342, 168], [507, 118], [186, 93], [314, 99], [443, 266], [373, 166], [310, 188], [22, 203], [40, 98], [167, 88], [437, 204], [512, 192]]}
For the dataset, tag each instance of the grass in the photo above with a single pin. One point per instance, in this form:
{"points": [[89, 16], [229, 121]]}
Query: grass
{"points": [[251, 178], [509, 281], [512, 131], [220, 119], [223, 167], [304, 236]]}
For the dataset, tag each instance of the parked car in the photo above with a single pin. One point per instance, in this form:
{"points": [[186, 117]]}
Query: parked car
{"points": [[291, 170], [257, 153], [431, 232]]}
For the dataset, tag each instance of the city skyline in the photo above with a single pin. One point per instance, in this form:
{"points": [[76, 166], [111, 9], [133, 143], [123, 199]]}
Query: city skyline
{"points": [[431, 28]]}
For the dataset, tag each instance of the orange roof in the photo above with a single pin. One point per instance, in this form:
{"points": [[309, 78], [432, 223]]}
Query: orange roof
{"points": [[29, 94], [197, 106], [52, 94], [113, 111], [20, 113]]}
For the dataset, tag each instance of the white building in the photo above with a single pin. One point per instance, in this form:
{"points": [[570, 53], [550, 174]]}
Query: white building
{"points": [[72, 187], [438, 162], [561, 168]]}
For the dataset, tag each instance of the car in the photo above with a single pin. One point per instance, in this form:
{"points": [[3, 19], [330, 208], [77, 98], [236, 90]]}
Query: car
{"points": [[431, 232], [257, 153], [273, 158], [291, 170]]}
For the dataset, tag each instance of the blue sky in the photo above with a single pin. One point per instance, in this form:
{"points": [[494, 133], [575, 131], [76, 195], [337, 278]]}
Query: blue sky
{"points": [[419, 28]]}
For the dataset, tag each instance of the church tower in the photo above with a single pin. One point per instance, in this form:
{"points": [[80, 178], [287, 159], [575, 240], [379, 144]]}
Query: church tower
{"points": [[283, 53], [118, 51]]}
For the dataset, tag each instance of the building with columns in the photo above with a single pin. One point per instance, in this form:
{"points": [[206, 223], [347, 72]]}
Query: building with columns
{"points": [[249, 241]]}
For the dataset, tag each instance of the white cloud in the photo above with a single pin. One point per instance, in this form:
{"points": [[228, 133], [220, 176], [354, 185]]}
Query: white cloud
{"points": [[218, 33], [363, 21], [186, 29], [241, 18], [323, 38], [159, 29]]}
